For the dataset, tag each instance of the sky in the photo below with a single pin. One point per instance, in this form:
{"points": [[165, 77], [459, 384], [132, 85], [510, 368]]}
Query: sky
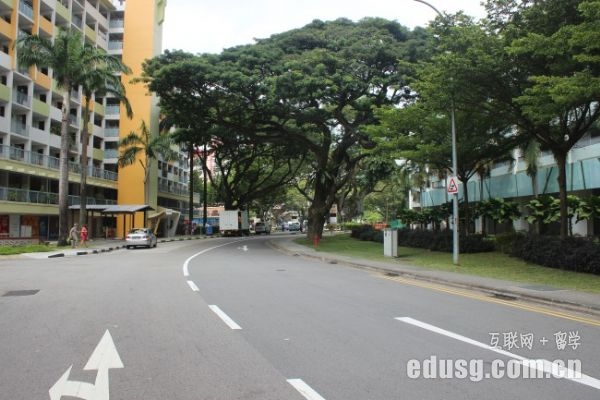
{"points": [[209, 26]]}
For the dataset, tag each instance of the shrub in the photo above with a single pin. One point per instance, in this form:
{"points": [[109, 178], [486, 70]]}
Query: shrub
{"points": [[350, 226], [425, 239], [573, 254], [476, 244], [505, 242], [359, 230], [443, 241], [377, 236]]}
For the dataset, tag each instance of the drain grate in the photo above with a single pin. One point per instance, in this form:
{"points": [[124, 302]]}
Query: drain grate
{"points": [[17, 293]]}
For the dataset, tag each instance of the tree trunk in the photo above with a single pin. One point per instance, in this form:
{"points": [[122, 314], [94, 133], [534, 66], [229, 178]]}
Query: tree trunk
{"points": [[85, 138], [318, 209], [467, 225], [561, 163], [191, 190], [316, 220], [204, 188], [63, 180]]}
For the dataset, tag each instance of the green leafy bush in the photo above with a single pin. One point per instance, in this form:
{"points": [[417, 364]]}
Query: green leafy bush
{"points": [[431, 240], [573, 254]]}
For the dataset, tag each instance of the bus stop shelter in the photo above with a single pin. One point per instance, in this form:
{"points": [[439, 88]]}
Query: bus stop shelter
{"points": [[127, 211]]}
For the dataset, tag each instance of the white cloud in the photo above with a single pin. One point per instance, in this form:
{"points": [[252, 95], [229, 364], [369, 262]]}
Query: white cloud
{"points": [[209, 26]]}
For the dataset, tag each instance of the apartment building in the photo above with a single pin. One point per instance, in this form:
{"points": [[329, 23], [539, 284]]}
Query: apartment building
{"points": [[509, 180], [30, 119]]}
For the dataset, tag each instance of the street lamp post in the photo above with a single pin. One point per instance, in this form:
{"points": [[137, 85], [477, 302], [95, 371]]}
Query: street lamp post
{"points": [[455, 219]]}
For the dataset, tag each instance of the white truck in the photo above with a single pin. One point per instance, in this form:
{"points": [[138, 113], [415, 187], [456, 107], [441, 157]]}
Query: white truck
{"points": [[234, 223]]}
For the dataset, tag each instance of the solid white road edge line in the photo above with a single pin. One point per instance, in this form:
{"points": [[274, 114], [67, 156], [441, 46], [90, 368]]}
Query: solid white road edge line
{"points": [[193, 286], [230, 323], [548, 367], [305, 390], [186, 271]]}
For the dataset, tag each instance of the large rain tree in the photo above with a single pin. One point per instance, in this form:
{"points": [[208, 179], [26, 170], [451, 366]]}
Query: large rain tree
{"points": [[316, 86]]}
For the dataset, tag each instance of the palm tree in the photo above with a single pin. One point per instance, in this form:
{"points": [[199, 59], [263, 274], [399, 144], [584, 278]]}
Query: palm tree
{"points": [[144, 148], [101, 79], [66, 56]]}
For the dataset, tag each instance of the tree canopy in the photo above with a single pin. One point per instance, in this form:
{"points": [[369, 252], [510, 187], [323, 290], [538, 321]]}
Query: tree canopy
{"points": [[315, 88]]}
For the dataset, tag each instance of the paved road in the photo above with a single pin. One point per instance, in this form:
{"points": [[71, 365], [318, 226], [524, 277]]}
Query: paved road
{"points": [[228, 319]]}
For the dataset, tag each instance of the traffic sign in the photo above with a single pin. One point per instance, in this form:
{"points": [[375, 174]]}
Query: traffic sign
{"points": [[452, 185]]}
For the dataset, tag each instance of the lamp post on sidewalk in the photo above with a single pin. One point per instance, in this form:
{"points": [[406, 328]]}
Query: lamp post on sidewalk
{"points": [[455, 217]]}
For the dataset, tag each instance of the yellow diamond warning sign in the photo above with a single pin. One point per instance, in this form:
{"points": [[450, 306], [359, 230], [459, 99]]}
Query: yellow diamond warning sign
{"points": [[452, 185]]}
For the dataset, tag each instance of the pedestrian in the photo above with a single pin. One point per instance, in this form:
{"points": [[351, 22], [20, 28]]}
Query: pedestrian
{"points": [[74, 235], [83, 234]]}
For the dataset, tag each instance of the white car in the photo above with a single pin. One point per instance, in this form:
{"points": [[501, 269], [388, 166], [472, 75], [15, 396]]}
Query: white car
{"points": [[141, 237], [293, 226], [261, 227]]}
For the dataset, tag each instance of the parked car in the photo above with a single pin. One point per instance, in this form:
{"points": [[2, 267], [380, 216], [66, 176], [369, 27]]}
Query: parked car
{"points": [[261, 227], [141, 237], [293, 226]]}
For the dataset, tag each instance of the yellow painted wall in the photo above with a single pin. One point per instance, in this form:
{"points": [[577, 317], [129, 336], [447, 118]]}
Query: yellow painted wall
{"points": [[142, 40]]}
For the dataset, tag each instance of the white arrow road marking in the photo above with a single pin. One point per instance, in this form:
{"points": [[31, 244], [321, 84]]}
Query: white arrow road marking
{"points": [[546, 368], [305, 390], [230, 323], [244, 248], [104, 357]]}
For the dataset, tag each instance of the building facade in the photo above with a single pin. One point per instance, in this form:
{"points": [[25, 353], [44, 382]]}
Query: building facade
{"points": [[30, 119], [510, 181]]}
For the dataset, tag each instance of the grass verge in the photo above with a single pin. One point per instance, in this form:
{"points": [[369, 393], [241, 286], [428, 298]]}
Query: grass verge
{"points": [[491, 265], [30, 248]]}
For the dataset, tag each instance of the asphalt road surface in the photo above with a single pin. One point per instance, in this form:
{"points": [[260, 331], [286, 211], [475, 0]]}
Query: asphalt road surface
{"points": [[235, 319]]}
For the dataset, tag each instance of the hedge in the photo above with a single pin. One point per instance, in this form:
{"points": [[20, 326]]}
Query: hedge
{"points": [[571, 254], [435, 241]]}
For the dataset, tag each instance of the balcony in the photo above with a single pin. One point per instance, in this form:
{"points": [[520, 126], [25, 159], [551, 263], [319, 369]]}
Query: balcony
{"points": [[19, 128], [44, 161], [5, 93], [41, 108], [21, 98], [114, 45], [111, 132], [99, 109], [9, 3], [5, 60], [111, 153], [27, 196], [98, 154], [26, 10], [90, 33], [113, 110], [6, 29], [46, 25], [62, 11], [116, 24]]}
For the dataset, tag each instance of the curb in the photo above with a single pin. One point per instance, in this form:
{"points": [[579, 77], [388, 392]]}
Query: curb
{"points": [[567, 305], [111, 248]]}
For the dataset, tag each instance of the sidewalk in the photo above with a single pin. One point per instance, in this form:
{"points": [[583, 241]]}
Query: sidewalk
{"points": [[95, 246], [571, 300]]}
